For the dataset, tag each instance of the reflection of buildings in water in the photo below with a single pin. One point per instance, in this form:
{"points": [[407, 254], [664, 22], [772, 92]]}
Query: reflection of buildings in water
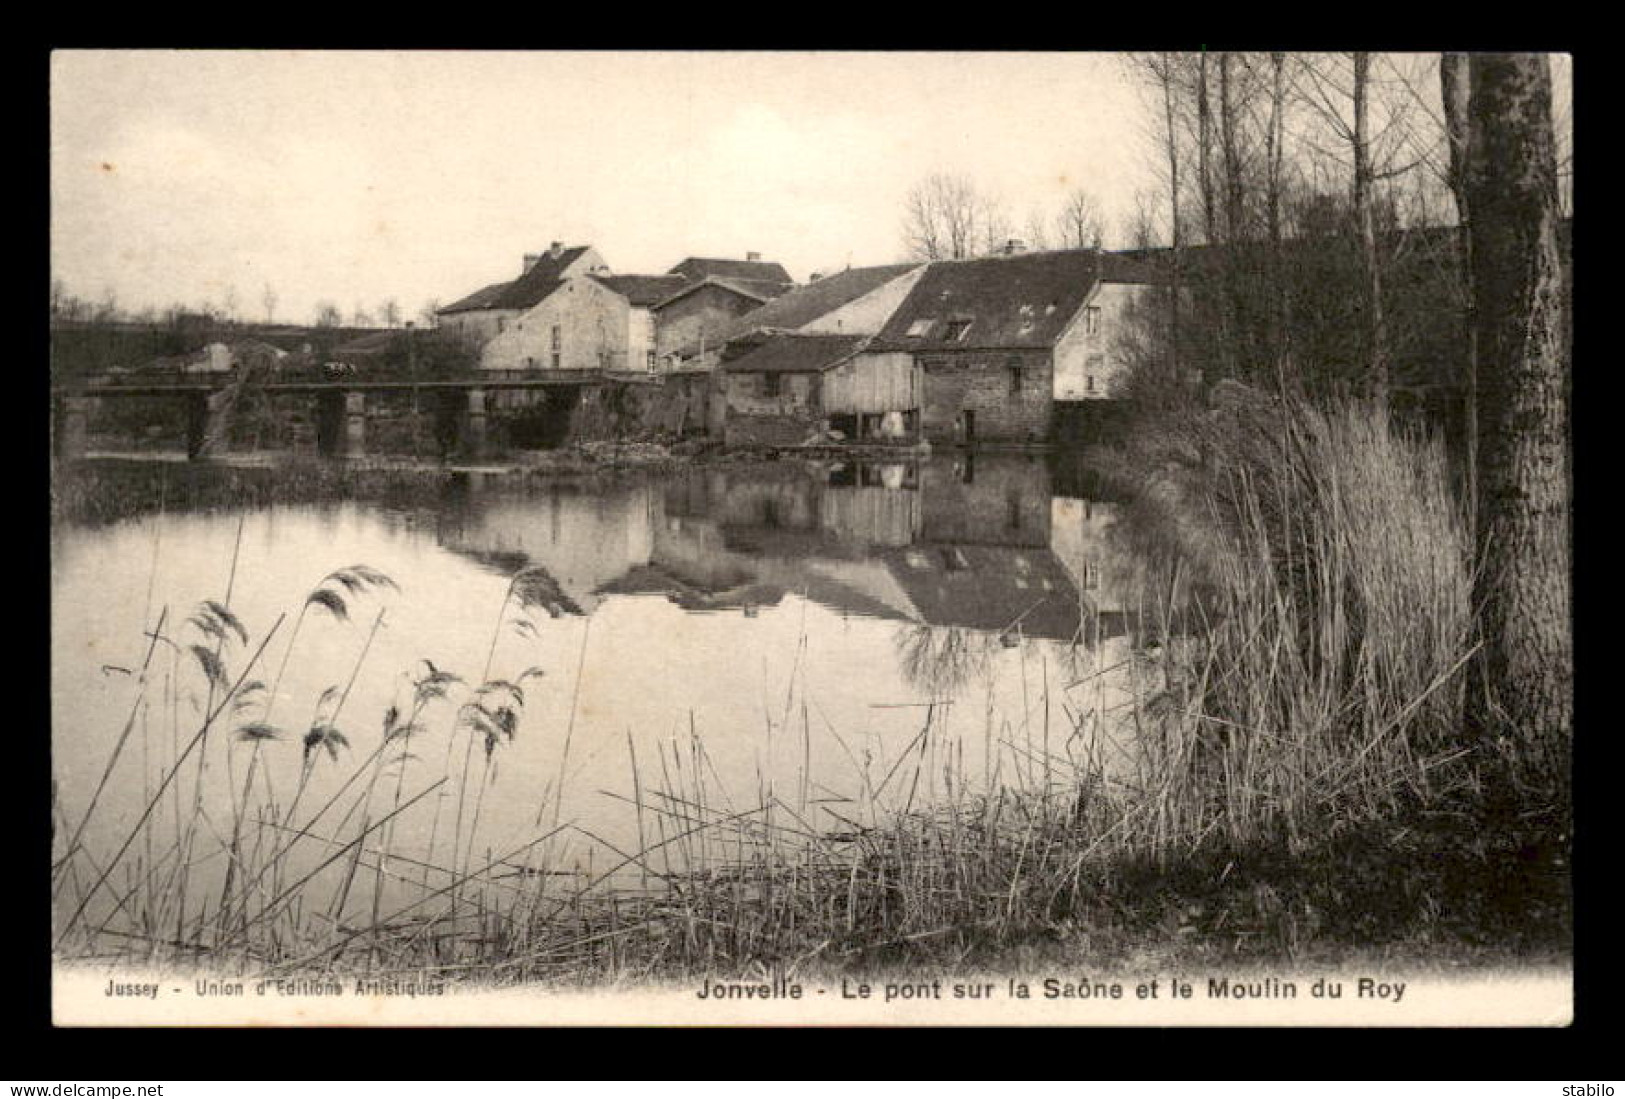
{"points": [[583, 539], [956, 542], [971, 542], [704, 563], [999, 589], [987, 500], [1081, 535]]}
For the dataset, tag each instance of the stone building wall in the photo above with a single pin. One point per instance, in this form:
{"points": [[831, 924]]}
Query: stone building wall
{"points": [[1008, 394], [699, 319], [1001, 500]]}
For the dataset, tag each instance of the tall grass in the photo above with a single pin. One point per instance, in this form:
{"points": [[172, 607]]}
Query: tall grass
{"points": [[1324, 685]]}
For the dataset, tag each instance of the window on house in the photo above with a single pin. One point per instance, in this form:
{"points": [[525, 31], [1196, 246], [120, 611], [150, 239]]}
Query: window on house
{"points": [[1089, 384], [558, 337], [920, 327], [1015, 377], [1091, 320], [651, 361], [955, 330], [502, 324], [770, 385], [557, 360]]}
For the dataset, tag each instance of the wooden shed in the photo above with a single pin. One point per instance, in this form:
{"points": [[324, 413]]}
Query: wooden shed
{"points": [[875, 395]]}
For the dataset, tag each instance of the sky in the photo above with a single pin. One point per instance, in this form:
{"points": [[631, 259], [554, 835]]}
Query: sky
{"points": [[202, 176]]}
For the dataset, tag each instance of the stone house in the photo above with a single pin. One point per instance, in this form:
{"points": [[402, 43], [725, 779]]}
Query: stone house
{"points": [[555, 316], [880, 400], [854, 302], [642, 294], [695, 320], [1002, 339], [753, 273], [771, 386]]}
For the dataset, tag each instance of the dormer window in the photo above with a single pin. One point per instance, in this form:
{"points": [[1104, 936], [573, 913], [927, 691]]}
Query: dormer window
{"points": [[920, 327], [955, 330]]}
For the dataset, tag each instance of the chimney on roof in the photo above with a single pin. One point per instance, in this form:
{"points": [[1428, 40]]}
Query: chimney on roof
{"points": [[1014, 245], [753, 257], [555, 250]]}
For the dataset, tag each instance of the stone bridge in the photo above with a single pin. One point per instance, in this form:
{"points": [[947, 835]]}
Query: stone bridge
{"points": [[341, 402]]}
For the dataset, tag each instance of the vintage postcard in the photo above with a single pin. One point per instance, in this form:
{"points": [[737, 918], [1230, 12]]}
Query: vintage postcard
{"points": [[704, 538]]}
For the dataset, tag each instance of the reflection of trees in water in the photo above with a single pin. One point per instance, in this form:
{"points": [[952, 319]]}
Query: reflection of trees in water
{"points": [[939, 660], [1166, 552]]}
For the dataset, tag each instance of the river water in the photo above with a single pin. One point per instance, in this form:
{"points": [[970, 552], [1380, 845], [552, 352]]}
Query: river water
{"points": [[839, 640]]}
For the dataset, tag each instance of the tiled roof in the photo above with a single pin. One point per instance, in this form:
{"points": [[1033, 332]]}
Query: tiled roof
{"points": [[527, 290], [695, 268], [644, 290], [989, 588], [763, 289], [482, 298], [755, 291], [1022, 300], [805, 304], [791, 352]]}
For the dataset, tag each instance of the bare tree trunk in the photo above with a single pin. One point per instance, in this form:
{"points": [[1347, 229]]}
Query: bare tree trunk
{"points": [[1240, 263], [1204, 142], [1204, 176], [1234, 213], [1274, 142], [1176, 237], [1454, 83], [1524, 681], [1377, 335]]}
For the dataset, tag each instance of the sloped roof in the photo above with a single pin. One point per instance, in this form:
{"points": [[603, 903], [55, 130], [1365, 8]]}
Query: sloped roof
{"points": [[989, 588], [1022, 300], [483, 298], [793, 352], [805, 304], [755, 291], [544, 277], [695, 268], [644, 290]]}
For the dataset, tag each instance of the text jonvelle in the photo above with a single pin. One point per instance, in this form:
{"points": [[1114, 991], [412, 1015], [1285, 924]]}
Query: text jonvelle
{"points": [[1058, 988]]}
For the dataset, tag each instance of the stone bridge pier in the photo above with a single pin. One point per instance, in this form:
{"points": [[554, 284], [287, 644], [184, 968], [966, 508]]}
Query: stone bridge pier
{"points": [[207, 420], [475, 433], [70, 426], [341, 423]]}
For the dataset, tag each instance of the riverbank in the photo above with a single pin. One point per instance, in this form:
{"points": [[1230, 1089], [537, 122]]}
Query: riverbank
{"points": [[1294, 786], [108, 485]]}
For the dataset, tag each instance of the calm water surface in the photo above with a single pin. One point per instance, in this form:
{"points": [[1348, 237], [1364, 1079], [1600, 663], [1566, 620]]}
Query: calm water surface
{"points": [[818, 635]]}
